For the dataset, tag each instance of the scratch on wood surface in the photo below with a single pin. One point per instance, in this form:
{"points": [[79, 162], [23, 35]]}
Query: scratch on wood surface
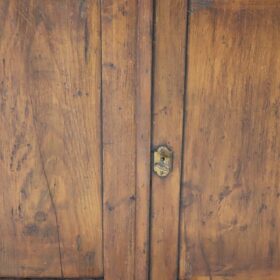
{"points": [[53, 206], [49, 190]]}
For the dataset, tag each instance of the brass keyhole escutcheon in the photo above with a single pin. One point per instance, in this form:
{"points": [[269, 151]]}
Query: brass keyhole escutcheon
{"points": [[163, 158]]}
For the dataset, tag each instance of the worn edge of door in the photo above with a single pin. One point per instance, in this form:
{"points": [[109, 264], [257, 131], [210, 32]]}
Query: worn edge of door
{"points": [[169, 77]]}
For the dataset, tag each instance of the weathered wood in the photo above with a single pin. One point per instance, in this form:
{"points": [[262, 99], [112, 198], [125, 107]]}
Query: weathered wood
{"points": [[119, 38], [50, 186], [230, 204], [169, 77], [143, 122], [256, 275]]}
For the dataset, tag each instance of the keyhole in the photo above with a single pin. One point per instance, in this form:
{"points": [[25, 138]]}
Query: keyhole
{"points": [[162, 161]]}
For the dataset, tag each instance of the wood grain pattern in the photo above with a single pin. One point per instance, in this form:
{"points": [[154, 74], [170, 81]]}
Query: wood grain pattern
{"points": [[143, 119], [127, 63], [169, 77], [231, 191], [256, 275], [50, 187], [119, 38]]}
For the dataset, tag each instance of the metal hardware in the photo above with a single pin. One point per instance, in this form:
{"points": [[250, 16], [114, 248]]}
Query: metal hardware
{"points": [[163, 158]]}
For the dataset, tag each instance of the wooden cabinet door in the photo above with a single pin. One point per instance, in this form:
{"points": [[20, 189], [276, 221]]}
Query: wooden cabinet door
{"points": [[230, 183], [50, 144], [75, 118], [222, 124], [90, 89]]}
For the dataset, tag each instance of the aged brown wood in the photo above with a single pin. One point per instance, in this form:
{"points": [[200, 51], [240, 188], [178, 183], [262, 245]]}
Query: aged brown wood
{"points": [[119, 38], [230, 204], [169, 72], [53, 58], [127, 58], [143, 122], [50, 189]]}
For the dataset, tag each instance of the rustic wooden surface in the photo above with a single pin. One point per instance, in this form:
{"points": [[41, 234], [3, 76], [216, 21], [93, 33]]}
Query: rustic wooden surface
{"points": [[50, 190], [143, 139], [127, 64], [52, 278], [256, 275], [230, 203], [169, 76], [119, 38], [55, 56]]}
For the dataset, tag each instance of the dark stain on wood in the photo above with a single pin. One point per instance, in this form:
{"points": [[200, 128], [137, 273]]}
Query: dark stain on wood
{"points": [[262, 208], [49, 233], [78, 242], [89, 257], [40, 217], [24, 157], [42, 18], [245, 196], [109, 206], [83, 12], [198, 5], [86, 39], [3, 95], [79, 93], [83, 9], [188, 200], [226, 192], [110, 65], [271, 253], [15, 149], [31, 230], [26, 184], [243, 227]]}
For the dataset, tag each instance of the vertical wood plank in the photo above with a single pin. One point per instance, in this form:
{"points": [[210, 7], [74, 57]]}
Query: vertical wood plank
{"points": [[143, 121], [119, 37], [169, 77], [230, 203], [50, 183]]}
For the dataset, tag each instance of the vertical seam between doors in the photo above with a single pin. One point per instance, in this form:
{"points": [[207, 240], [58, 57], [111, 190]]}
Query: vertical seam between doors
{"points": [[153, 34], [185, 100], [101, 132], [136, 133]]}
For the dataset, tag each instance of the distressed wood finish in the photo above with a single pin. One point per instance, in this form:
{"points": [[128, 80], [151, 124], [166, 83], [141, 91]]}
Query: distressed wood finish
{"points": [[230, 204], [143, 119], [51, 210], [119, 38], [127, 59], [169, 75]]}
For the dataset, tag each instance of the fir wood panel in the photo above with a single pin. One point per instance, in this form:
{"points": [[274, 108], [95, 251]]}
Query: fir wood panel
{"points": [[169, 76], [230, 204], [143, 119], [50, 182], [119, 38], [256, 275], [127, 64]]}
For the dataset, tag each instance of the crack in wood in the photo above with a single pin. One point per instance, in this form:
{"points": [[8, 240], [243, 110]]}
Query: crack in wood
{"points": [[49, 190]]}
